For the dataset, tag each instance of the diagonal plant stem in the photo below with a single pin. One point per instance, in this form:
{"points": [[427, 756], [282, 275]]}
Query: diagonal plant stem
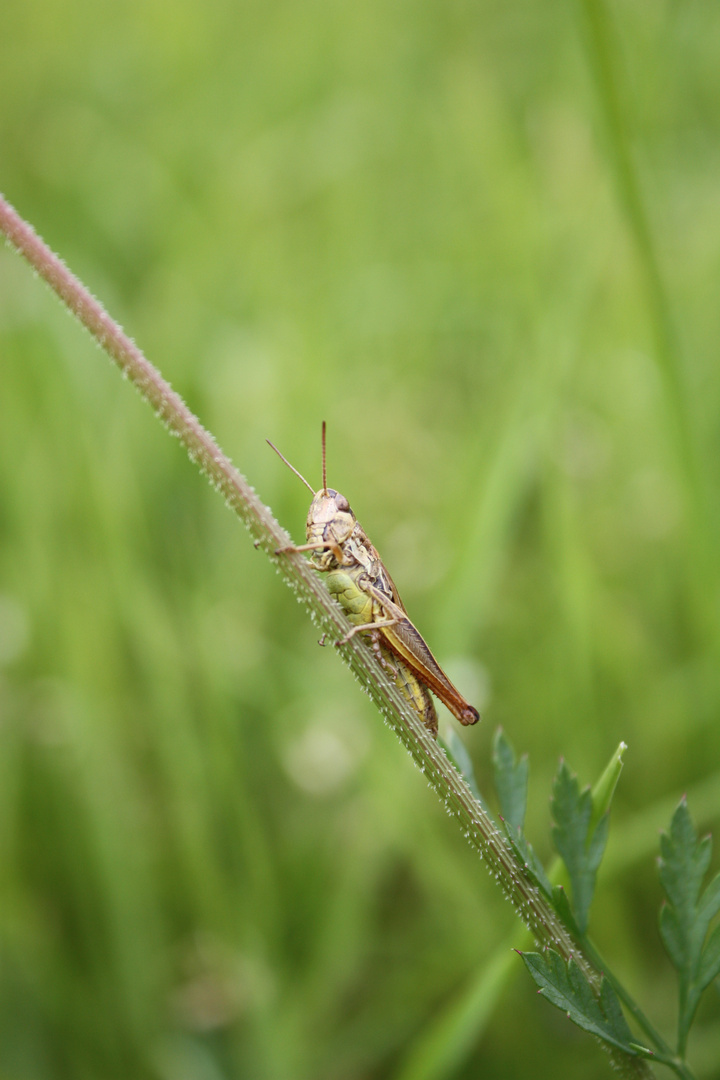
{"points": [[477, 825]]}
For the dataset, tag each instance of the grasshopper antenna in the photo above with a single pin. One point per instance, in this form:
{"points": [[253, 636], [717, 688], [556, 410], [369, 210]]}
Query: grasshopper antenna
{"points": [[292, 467], [324, 463]]}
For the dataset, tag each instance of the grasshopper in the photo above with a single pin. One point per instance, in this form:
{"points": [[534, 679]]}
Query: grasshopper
{"points": [[357, 578]]}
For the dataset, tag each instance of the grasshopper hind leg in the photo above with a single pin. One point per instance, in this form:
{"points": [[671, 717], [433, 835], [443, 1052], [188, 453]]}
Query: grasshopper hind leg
{"points": [[414, 692]]}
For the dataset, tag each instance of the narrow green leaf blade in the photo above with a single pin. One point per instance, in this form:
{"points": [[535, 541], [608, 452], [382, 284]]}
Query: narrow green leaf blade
{"points": [[683, 863], [511, 780], [709, 904], [710, 961], [604, 789], [580, 846], [673, 937]]}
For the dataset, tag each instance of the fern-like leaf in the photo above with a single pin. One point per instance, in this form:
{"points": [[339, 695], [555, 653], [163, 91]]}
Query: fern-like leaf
{"points": [[579, 842], [685, 917], [566, 987], [511, 783]]}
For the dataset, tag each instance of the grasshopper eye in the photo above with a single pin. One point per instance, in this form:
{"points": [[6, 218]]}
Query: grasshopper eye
{"points": [[341, 502]]}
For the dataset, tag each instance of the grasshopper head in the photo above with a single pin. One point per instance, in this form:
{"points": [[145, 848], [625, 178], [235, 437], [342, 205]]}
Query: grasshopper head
{"points": [[330, 520]]}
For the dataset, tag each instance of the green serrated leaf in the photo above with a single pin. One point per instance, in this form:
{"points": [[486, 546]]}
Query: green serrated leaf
{"points": [[580, 846], [710, 960], [709, 904], [685, 919], [511, 780], [571, 810], [565, 986], [672, 936], [610, 1005], [684, 862]]}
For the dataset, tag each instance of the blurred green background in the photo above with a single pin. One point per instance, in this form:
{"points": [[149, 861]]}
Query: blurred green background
{"points": [[482, 241]]}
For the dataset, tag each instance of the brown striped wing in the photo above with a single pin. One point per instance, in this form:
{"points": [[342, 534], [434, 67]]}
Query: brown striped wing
{"points": [[406, 641]]}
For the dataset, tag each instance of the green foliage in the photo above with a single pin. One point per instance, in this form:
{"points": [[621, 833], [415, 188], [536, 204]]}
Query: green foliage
{"points": [[564, 986], [579, 841], [580, 833], [511, 783], [685, 918]]}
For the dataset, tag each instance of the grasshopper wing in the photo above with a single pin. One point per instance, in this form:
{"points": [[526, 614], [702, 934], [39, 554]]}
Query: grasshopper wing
{"points": [[406, 641]]}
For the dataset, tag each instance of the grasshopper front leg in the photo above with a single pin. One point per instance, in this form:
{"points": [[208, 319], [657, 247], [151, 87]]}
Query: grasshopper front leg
{"points": [[293, 549]]}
